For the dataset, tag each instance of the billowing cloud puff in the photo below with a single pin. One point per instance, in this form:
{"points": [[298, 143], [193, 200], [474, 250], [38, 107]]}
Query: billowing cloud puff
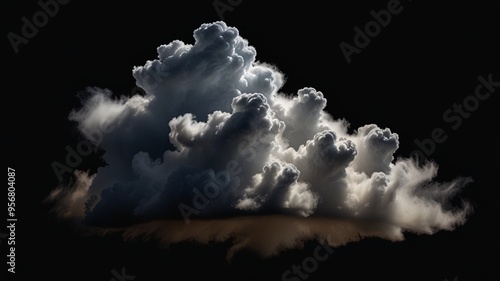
{"points": [[214, 144]]}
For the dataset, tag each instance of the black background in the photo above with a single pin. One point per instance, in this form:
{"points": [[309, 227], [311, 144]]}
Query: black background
{"points": [[427, 59]]}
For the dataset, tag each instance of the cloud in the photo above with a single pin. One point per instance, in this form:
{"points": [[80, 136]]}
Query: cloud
{"points": [[70, 203], [265, 235], [214, 145]]}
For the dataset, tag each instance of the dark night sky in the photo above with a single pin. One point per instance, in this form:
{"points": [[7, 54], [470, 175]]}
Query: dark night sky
{"points": [[427, 59]]}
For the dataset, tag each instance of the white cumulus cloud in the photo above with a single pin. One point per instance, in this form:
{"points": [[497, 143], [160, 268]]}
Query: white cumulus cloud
{"points": [[213, 144]]}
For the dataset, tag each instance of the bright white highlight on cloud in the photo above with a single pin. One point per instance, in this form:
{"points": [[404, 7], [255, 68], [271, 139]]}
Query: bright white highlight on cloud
{"points": [[214, 139]]}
